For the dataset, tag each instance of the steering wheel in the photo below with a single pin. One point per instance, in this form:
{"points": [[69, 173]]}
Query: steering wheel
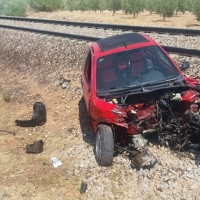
{"points": [[141, 77], [147, 70]]}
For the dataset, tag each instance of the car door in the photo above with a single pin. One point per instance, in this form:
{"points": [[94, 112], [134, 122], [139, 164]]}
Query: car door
{"points": [[86, 79]]}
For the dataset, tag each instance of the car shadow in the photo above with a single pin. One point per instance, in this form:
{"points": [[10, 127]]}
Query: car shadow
{"points": [[85, 123], [197, 159]]}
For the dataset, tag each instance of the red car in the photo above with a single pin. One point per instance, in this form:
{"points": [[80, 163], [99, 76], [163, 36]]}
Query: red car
{"points": [[132, 88]]}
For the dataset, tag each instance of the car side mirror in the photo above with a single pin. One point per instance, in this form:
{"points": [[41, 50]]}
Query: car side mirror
{"points": [[185, 66]]}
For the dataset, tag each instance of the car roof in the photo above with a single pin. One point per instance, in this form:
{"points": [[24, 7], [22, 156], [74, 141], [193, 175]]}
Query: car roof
{"points": [[116, 41]]}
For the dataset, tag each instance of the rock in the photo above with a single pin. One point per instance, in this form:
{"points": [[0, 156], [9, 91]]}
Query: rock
{"points": [[64, 85]]}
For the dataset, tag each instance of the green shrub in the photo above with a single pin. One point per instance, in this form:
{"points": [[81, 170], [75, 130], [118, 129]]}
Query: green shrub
{"points": [[7, 96], [13, 7], [47, 5]]}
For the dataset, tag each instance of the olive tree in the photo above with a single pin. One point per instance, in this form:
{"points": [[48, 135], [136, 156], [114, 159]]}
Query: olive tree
{"points": [[126, 6], [47, 5], [94, 5], [196, 9], [83, 5], [165, 8], [103, 5], [150, 5], [70, 5], [114, 5], [133, 6], [181, 6]]}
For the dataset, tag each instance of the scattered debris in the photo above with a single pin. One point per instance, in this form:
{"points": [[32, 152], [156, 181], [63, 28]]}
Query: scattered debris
{"points": [[142, 158], [84, 134], [83, 187], [64, 86], [35, 148], [38, 118], [8, 132], [55, 162], [63, 82]]}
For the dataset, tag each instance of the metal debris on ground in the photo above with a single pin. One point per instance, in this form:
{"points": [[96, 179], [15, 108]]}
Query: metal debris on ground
{"points": [[38, 117], [4, 131], [35, 148], [83, 187]]}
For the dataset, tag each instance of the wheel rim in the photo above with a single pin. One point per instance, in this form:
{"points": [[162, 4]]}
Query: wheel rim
{"points": [[98, 146]]}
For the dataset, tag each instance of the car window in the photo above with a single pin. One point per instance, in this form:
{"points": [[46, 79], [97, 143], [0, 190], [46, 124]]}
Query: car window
{"points": [[134, 67], [160, 59], [87, 69]]}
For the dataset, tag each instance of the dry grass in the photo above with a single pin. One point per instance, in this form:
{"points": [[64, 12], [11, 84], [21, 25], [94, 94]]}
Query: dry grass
{"points": [[6, 96], [26, 176], [187, 20], [31, 176]]}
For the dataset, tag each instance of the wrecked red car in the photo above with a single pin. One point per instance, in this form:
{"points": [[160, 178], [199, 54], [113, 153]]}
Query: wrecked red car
{"points": [[132, 88]]}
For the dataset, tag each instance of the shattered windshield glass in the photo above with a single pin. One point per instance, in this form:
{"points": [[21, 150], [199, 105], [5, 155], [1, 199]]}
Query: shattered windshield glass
{"points": [[134, 68]]}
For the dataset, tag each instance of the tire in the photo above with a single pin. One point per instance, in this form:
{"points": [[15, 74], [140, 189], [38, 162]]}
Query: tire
{"points": [[104, 145]]}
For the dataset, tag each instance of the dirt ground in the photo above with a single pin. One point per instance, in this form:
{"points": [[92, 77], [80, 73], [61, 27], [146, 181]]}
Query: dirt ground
{"points": [[27, 174], [186, 20], [31, 176]]}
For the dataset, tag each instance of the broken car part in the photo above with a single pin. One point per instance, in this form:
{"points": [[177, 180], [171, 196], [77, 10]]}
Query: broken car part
{"points": [[139, 157], [38, 117], [83, 187], [35, 148], [143, 158], [13, 133]]}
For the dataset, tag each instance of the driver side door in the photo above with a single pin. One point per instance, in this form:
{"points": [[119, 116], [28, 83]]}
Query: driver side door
{"points": [[86, 79]]}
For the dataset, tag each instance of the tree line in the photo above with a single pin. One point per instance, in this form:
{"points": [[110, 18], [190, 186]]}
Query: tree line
{"points": [[165, 8]]}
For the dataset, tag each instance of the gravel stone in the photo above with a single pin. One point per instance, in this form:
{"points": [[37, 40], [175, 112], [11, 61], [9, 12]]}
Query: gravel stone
{"points": [[192, 42], [48, 58]]}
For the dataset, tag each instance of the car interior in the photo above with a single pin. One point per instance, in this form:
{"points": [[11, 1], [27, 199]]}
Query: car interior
{"points": [[134, 67]]}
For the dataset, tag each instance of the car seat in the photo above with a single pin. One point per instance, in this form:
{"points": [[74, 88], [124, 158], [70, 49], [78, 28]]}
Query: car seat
{"points": [[122, 68], [106, 74], [137, 63]]}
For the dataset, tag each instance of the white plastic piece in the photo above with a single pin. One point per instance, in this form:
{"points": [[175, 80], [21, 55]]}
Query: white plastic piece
{"points": [[177, 97], [55, 162]]}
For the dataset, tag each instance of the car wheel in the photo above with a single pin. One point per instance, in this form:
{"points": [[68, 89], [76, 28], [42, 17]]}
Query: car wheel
{"points": [[104, 145]]}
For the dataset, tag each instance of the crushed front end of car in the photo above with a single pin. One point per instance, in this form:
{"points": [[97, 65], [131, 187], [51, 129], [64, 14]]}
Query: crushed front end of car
{"points": [[171, 113]]}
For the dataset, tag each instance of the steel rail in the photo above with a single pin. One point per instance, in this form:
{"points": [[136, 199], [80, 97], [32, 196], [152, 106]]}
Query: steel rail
{"points": [[177, 50], [174, 31]]}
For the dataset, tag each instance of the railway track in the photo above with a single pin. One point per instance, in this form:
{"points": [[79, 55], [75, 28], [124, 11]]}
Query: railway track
{"points": [[170, 49], [173, 31]]}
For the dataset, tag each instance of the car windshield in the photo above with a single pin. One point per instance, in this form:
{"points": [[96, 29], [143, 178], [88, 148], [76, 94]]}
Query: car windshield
{"points": [[134, 68]]}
